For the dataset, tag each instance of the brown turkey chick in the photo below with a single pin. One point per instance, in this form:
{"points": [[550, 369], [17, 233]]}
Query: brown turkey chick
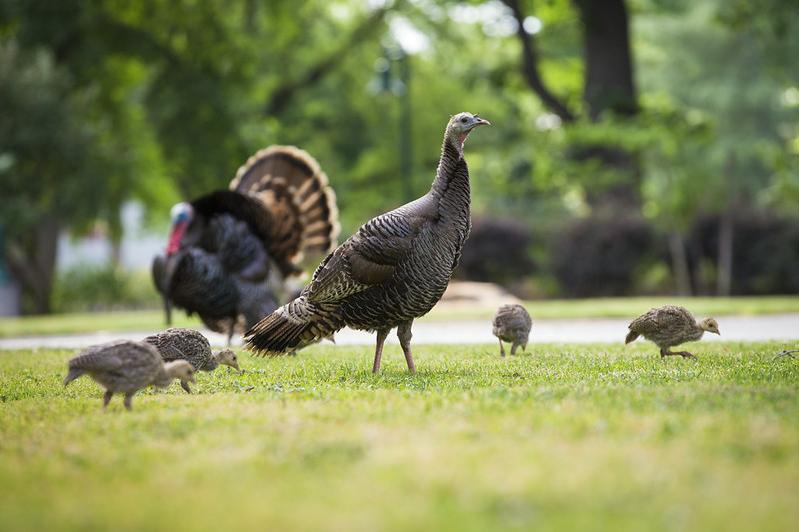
{"points": [[191, 346], [126, 367], [512, 324], [669, 326]]}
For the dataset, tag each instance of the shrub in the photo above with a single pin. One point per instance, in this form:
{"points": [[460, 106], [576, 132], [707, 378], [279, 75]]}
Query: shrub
{"points": [[91, 288], [497, 251], [600, 255], [765, 252]]}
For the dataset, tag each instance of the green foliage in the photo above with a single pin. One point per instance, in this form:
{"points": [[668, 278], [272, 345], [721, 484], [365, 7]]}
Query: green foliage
{"points": [[565, 437], [86, 288], [163, 99], [49, 167], [723, 76]]}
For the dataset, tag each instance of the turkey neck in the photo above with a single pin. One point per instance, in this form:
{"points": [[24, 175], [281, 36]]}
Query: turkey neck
{"points": [[211, 364], [451, 185]]}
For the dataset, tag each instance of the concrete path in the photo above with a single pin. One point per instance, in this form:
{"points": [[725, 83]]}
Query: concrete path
{"points": [[783, 327]]}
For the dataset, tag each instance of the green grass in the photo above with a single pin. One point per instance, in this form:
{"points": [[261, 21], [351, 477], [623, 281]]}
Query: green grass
{"points": [[630, 307], [595, 437], [150, 320]]}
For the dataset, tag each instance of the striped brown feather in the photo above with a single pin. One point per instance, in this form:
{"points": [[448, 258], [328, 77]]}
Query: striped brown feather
{"points": [[297, 194]]}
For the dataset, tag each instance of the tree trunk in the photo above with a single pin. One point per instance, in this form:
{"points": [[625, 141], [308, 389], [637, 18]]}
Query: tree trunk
{"points": [[530, 70], [609, 87], [46, 252], [726, 222], [724, 275], [33, 264], [116, 254], [679, 263], [249, 17], [608, 63], [115, 234]]}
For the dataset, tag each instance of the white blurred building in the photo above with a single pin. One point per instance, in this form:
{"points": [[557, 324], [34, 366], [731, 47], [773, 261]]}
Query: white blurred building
{"points": [[139, 244]]}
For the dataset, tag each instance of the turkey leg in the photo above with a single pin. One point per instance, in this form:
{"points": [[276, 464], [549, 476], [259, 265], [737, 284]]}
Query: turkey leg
{"points": [[230, 331], [404, 334], [107, 398], [381, 338], [501, 349], [128, 399]]}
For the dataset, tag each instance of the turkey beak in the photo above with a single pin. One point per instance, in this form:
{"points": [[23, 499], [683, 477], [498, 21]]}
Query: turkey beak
{"points": [[481, 122]]}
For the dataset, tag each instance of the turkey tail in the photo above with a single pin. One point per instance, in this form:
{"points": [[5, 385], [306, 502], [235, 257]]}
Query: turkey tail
{"points": [[291, 327], [632, 335], [299, 197], [73, 374]]}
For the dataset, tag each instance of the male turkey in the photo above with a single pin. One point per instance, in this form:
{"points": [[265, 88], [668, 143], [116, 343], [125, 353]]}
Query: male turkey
{"points": [[191, 346], [392, 270], [230, 251], [668, 326], [127, 367], [512, 324]]}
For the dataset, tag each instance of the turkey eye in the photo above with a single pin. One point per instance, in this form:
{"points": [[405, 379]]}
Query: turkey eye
{"points": [[463, 119]]}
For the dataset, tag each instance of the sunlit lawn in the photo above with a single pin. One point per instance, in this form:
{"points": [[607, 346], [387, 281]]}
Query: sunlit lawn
{"points": [[590, 437], [150, 320]]}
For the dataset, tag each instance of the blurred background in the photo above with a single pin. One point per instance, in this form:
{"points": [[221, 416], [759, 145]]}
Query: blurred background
{"points": [[639, 147]]}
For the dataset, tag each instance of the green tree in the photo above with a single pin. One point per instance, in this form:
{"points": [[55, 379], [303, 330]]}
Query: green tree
{"points": [[728, 74], [50, 172], [173, 96]]}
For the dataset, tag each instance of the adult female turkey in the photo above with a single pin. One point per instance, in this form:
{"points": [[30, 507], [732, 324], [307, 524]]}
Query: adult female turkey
{"points": [[393, 270], [230, 252]]}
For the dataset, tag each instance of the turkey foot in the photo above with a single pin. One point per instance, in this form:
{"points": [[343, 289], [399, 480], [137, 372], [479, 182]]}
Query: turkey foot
{"points": [[685, 354]]}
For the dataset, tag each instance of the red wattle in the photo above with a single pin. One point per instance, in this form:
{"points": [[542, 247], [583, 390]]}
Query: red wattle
{"points": [[174, 239]]}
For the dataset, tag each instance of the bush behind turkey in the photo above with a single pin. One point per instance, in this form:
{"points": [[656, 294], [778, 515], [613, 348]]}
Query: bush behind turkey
{"points": [[98, 288]]}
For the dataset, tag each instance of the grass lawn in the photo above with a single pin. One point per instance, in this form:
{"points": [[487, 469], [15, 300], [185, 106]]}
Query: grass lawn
{"points": [[595, 437], [151, 320]]}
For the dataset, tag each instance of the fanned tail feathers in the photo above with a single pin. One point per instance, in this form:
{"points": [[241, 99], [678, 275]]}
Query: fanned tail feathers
{"points": [[297, 192], [291, 327]]}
